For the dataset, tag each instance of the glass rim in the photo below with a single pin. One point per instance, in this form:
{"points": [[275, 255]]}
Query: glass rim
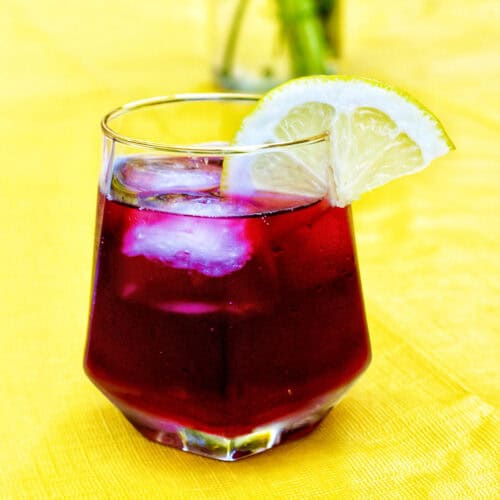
{"points": [[196, 149]]}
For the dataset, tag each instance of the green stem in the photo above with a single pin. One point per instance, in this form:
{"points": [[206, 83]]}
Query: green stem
{"points": [[306, 36], [326, 9], [306, 31], [329, 14], [230, 48]]}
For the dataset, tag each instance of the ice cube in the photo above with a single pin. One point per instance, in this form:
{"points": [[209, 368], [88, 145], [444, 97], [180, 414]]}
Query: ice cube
{"points": [[213, 247], [209, 204], [191, 307], [142, 176]]}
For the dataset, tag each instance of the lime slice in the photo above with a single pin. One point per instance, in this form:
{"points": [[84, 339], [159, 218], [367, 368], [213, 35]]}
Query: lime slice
{"points": [[375, 134]]}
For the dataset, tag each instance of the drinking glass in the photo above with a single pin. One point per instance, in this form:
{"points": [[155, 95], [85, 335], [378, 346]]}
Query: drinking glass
{"points": [[258, 44], [221, 323]]}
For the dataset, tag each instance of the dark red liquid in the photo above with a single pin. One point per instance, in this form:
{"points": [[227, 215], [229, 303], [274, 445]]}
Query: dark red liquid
{"points": [[223, 324]]}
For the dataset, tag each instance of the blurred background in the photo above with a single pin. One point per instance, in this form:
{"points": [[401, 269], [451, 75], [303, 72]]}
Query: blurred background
{"points": [[424, 413]]}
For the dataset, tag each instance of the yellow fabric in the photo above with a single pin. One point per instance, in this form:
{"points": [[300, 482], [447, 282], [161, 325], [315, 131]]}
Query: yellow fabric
{"points": [[422, 422]]}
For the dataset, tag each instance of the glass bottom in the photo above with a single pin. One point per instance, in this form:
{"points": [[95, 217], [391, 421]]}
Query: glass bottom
{"points": [[230, 449], [246, 80]]}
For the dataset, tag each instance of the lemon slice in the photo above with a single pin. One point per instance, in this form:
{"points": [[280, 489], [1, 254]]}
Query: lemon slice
{"points": [[374, 133]]}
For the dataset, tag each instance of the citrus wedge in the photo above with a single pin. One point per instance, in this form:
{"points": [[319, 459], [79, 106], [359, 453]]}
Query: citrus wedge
{"points": [[372, 133]]}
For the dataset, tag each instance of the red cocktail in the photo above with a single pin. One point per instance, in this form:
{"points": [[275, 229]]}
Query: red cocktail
{"points": [[221, 325]]}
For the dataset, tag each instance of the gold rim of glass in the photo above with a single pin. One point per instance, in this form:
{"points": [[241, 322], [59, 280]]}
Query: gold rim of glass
{"points": [[195, 149]]}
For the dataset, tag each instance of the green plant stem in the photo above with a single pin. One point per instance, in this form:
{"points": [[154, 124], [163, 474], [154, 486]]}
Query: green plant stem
{"points": [[326, 9], [230, 48], [304, 25], [305, 34]]}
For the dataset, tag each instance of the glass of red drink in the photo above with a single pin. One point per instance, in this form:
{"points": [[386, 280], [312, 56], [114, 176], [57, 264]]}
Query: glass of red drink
{"points": [[222, 325]]}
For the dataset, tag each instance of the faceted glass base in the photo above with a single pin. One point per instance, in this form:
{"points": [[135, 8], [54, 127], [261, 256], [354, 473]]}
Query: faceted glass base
{"points": [[233, 448]]}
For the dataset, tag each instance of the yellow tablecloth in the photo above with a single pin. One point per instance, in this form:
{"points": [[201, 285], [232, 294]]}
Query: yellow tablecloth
{"points": [[420, 423]]}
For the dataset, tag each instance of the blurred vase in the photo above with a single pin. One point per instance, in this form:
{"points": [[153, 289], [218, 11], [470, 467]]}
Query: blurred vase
{"points": [[258, 44]]}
